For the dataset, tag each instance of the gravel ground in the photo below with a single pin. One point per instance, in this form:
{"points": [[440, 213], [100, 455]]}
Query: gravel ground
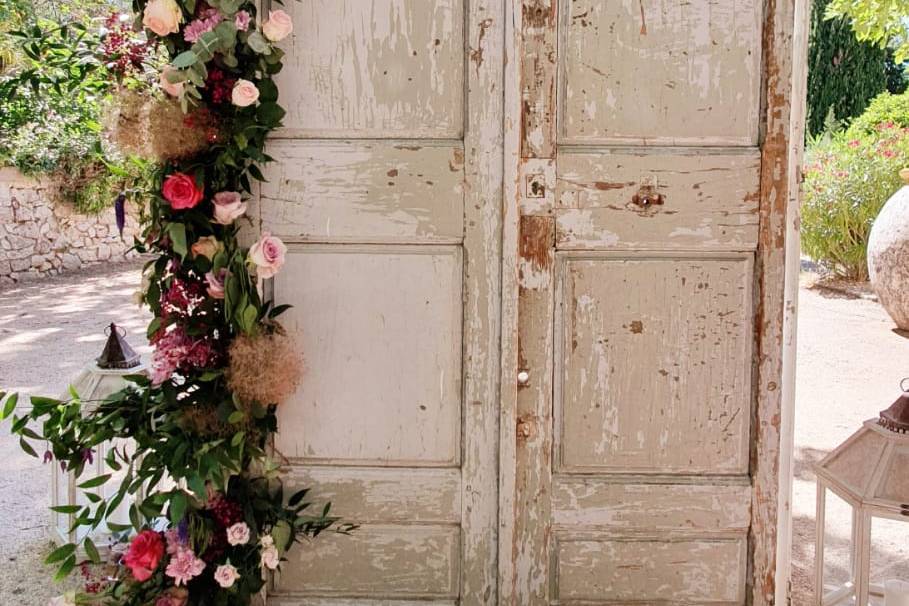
{"points": [[50, 330], [850, 363]]}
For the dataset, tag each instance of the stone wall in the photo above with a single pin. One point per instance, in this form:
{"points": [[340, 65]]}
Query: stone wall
{"points": [[39, 237]]}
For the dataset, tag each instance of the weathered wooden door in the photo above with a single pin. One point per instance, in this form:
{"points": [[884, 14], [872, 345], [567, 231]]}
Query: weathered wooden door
{"points": [[387, 188], [647, 198], [536, 259]]}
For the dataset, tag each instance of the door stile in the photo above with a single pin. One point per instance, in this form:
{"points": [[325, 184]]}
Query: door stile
{"points": [[784, 55], [483, 150]]}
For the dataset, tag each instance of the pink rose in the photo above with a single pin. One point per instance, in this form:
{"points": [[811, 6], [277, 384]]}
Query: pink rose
{"points": [[207, 246], [171, 88], [180, 190], [216, 284], [241, 21], [162, 17], [244, 93], [144, 554], [226, 575], [278, 26], [238, 534], [267, 255], [229, 206]]}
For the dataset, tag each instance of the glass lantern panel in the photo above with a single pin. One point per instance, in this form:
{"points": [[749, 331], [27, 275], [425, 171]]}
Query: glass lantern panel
{"points": [[839, 524], [889, 555]]}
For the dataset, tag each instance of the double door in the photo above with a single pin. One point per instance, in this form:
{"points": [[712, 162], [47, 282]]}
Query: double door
{"points": [[536, 258]]}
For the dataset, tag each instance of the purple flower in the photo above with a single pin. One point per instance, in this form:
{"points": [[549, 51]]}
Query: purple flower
{"points": [[241, 21], [203, 24], [48, 456], [88, 455]]}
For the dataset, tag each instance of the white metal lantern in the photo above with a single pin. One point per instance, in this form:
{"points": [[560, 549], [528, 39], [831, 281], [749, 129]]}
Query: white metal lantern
{"points": [[94, 383], [869, 472]]}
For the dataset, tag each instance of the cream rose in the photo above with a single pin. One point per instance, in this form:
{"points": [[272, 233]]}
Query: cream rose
{"points": [[162, 17], [171, 88], [244, 93], [228, 207], [208, 246], [226, 575], [278, 26], [267, 255], [270, 557]]}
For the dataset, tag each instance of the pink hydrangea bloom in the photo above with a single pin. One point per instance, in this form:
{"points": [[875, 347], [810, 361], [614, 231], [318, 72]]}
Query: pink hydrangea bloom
{"points": [[205, 23], [184, 566], [175, 350]]}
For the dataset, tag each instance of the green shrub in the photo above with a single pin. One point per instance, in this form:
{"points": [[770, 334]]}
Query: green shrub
{"points": [[884, 109], [52, 108], [848, 178]]}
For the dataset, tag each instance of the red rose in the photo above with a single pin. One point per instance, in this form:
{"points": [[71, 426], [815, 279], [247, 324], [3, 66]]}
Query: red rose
{"points": [[180, 190], [144, 554]]}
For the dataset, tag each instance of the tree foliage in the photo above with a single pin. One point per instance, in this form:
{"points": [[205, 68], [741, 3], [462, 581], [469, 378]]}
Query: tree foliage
{"points": [[844, 74], [880, 22]]}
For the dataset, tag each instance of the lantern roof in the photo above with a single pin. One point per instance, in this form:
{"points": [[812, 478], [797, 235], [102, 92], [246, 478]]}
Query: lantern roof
{"points": [[872, 466], [117, 352]]}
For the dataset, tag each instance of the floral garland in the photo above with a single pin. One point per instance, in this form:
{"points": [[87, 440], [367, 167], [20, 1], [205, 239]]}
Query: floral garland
{"points": [[203, 421]]}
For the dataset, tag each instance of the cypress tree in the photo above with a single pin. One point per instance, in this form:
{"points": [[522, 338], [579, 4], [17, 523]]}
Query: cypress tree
{"points": [[843, 73]]}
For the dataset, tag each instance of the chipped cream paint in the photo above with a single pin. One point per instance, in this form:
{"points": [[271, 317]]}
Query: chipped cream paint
{"points": [[692, 78], [390, 190], [377, 69], [618, 485], [387, 186], [365, 191]]}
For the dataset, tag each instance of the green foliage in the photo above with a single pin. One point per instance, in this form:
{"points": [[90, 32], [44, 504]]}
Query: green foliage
{"points": [[848, 178], [844, 74], [881, 22], [885, 108], [51, 113]]}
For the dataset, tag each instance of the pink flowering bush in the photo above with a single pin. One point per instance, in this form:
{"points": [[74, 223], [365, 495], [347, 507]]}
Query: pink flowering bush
{"points": [[848, 178]]}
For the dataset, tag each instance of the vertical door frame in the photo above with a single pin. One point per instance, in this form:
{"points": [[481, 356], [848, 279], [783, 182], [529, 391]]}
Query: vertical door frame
{"points": [[784, 73], [483, 174]]}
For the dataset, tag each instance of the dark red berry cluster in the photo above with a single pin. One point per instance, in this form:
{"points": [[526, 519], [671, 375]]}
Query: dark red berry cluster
{"points": [[124, 51]]}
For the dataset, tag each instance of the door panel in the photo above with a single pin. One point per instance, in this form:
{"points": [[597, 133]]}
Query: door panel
{"points": [[653, 364], [641, 218], [387, 189], [375, 69], [661, 71]]}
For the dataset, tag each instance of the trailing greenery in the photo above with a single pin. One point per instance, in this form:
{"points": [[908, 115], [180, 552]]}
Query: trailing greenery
{"points": [[848, 177], [844, 74]]}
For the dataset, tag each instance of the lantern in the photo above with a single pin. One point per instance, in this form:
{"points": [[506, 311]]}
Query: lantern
{"points": [[868, 476], [93, 384]]}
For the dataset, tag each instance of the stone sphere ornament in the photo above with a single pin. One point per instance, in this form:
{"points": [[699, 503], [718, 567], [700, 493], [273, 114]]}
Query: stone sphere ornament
{"points": [[888, 255]]}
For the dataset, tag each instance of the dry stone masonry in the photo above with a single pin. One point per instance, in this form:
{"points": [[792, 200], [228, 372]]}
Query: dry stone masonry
{"points": [[40, 237]]}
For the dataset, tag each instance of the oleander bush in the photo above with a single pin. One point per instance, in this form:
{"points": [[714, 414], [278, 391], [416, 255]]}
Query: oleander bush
{"points": [[849, 175]]}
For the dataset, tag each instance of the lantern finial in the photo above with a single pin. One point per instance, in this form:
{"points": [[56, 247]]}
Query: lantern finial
{"points": [[117, 352], [896, 418]]}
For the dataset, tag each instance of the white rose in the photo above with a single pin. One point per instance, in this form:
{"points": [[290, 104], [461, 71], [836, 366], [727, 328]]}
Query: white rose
{"points": [[171, 88], [229, 207], [244, 93], [270, 557], [162, 17], [278, 26]]}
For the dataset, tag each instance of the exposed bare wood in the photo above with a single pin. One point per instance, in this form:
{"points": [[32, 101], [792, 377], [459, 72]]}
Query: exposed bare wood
{"points": [[538, 76], [777, 168]]}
